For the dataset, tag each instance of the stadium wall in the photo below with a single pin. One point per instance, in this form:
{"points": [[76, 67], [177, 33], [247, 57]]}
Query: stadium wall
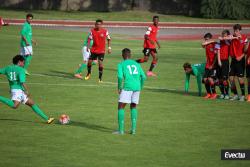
{"points": [[187, 7]]}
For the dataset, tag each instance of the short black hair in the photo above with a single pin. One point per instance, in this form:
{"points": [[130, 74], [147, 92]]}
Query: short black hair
{"points": [[17, 58], [126, 52], [237, 27], [99, 21], [29, 15], [226, 32], [187, 65], [208, 35], [155, 17]]}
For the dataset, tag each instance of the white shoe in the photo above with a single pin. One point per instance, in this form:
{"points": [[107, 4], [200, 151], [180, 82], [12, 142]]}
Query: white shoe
{"points": [[235, 97], [226, 97], [118, 133], [221, 96], [242, 98]]}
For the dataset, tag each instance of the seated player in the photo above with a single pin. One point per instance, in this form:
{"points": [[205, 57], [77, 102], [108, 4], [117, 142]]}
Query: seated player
{"points": [[16, 76], [198, 71], [210, 68]]}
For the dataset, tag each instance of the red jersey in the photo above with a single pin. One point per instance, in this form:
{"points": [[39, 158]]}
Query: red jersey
{"points": [[151, 34], [237, 47], [223, 46], [99, 40], [210, 54], [248, 54]]}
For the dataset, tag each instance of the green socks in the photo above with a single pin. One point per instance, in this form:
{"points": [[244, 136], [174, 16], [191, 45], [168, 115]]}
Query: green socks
{"points": [[81, 68], [121, 120], [133, 119], [7, 101], [39, 112], [27, 61]]}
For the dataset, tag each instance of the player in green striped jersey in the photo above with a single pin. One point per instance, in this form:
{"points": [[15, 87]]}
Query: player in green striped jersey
{"points": [[130, 82], [16, 76]]}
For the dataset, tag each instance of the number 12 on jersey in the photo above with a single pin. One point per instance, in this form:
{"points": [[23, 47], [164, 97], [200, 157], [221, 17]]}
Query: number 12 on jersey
{"points": [[132, 69]]}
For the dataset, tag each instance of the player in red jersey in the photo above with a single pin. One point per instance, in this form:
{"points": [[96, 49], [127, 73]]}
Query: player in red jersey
{"points": [[223, 64], [99, 36], [237, 67], [150, 41], [210, 68], [247, 52]]}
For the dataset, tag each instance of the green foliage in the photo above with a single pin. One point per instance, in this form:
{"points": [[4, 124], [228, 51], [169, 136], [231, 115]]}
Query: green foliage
{"points": [[231, 9]]}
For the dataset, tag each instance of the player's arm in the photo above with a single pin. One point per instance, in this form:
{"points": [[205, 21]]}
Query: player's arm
{"points": [[23, 33], [199, 81], [22, 78], [119, 77], [2, 70], [217, 47], [146, 36], [187, 83], [90, 37], [158, 44], [206, 42], [109, 42], [229, 37], [143, 77]]}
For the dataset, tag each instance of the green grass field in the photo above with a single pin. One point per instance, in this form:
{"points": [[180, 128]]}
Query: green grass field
{"points": [[133, 16], [174, 130]]}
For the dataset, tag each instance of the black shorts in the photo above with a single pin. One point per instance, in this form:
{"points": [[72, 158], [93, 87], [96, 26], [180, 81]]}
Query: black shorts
{"points": [[95, 56], [237, 68], [223, 71], [248, 71], [148, 51], [210, 73]]}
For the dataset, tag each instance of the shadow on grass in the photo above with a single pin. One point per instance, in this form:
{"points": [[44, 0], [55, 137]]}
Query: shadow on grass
{"points": [[60, 74], [179, 92], [16, 120], [89, 126]]}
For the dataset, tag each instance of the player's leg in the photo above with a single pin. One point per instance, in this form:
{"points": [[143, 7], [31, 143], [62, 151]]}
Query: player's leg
{"points": [[124, 98], [11, 103], [121, 115], [248, 81], [207, 86], [241, 74], [100, 63], [153, 63], [146, 52], [28, 59], [134, 101], [221, 85], [82, 66], [225, 71], [37, 110], [232, 76], [212, 87], [91, 58]]}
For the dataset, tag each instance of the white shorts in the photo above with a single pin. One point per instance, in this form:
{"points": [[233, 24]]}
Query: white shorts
{"points": [[27, 50], [85, 53], [19, 95], [129, 97]]}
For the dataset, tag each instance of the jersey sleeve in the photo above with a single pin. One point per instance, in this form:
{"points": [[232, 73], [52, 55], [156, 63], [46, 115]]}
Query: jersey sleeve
{"points": [[22, 76], [187, 82], [119, 76], [2, 70], [148, 31], [107, 35], [143, 76], [24, 30]]}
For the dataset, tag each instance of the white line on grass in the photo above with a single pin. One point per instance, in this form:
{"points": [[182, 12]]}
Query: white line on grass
{"points": [[104, 84]]}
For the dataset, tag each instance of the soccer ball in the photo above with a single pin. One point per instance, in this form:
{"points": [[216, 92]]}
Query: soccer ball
{"points": [[64, 119]]}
